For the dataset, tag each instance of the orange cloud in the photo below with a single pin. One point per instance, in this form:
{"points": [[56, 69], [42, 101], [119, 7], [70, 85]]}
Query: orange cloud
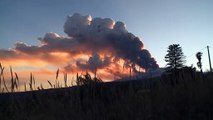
{"points": [[97, 45]]}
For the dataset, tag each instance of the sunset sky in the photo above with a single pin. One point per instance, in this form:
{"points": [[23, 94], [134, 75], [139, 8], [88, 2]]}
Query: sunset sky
{"points": [[30, 27]]}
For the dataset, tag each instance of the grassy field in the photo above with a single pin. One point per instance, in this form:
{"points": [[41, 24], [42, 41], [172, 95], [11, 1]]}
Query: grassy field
{"points": [[180, 96]]}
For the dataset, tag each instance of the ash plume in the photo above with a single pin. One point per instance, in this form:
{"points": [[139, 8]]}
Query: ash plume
{"points": [[102, 39], [94, 63], [101, 34]]}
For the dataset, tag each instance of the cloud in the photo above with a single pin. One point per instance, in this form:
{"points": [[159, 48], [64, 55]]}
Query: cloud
{"points": [[96, 38], [7, 54], [100, 34], [94, 62]]}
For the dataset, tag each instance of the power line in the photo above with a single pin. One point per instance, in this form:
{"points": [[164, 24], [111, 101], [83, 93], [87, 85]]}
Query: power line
{"points": [[211, 47], [195, 53]]}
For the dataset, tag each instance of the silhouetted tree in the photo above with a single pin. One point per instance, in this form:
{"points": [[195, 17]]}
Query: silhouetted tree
{"points": [[175, 58], [199, 63]]}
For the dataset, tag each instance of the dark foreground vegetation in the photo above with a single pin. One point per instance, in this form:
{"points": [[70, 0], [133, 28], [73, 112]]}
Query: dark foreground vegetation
{"points": [[180, 96]]}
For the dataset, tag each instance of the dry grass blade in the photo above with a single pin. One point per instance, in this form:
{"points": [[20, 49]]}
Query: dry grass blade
{"points": [[34, 82], [5, 86], [56, 82], [2, 69], [25, 87], [0, 75], [12, 79], [0, 82], [97, 80], [16, 75], [38, 88], [72, 81], [31, 82], [65, 79], [2, 90], [50, 84], [2, 79], [57, 73], [17, 81], [42, 86], [77, 79]]}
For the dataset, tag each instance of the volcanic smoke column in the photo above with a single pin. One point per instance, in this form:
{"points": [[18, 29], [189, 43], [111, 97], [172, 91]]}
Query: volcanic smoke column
{"points": [[106, 35]]}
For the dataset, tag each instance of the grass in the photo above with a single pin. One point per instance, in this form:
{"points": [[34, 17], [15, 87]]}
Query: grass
{"points": [[184, 95], [14, 85], [2, 80]]}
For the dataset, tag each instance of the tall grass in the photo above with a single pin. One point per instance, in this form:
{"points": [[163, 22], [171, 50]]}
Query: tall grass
{"points": [[65, 80], [32, 82], [2, 80], [86, 79], [57, 82], [14, 83], [1, 75]]}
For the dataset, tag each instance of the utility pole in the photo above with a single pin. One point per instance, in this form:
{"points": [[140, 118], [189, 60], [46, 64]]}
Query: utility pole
{"points": [[209, 59]]}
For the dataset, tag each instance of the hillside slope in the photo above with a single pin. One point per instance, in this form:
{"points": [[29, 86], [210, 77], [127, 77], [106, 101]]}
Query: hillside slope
{"points": [[187, 97]]}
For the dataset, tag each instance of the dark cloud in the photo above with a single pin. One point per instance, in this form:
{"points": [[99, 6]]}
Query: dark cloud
{"points": [[27, 49], [94, 37], [52, 42], [95, 62], [7, 54], [101, 34]]}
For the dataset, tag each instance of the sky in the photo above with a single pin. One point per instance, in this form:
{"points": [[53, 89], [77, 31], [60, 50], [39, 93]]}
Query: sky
{"points": [[157, 23]]}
